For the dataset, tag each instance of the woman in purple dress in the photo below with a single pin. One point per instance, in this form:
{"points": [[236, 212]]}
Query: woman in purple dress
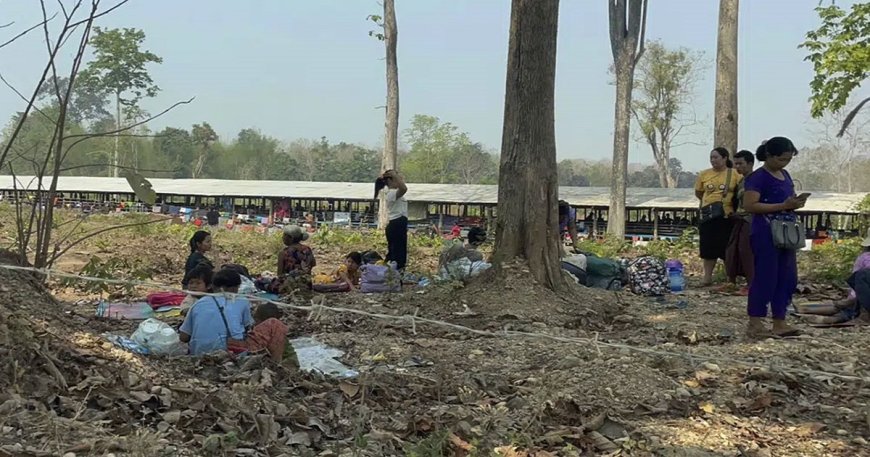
{"points": [[770, 194]]}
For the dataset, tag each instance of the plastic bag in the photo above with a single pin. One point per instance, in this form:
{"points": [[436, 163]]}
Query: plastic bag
{"points": [[316, 356], [462, 269], [158, 337]]}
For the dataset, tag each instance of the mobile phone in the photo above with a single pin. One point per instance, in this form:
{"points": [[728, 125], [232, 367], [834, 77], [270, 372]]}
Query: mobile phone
{"points": [[804, 195]]}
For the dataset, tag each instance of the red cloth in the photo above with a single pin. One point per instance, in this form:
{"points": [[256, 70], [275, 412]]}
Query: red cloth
{"points": [[161, 299], [269, 336]]}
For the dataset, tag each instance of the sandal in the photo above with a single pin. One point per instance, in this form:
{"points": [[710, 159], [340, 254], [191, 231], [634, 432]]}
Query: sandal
{"points": [[787, 333], [758, 333]]}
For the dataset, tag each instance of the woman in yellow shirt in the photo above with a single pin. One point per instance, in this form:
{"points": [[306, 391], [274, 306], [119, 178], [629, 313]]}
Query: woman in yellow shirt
{"points": [[715, 189]]}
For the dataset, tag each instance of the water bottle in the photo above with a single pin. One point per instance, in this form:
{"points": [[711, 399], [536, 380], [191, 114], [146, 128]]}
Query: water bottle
{"points": [[675, 275]]}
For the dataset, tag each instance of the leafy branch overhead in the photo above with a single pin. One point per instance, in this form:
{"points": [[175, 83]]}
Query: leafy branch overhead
{"points": [[840, 53], [378, 21]]}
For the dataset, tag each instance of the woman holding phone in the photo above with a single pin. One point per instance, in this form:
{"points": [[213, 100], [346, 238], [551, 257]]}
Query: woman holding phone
{"points": [[769, 195]]}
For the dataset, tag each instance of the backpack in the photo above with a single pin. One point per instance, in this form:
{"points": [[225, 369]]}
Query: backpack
{"points": [[648, 276], [379, 279]]}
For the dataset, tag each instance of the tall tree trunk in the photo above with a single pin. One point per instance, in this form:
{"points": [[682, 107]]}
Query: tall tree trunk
{"points": [[725, 124], [528, 223], [627, 30], [391, 122], [115, 158]]}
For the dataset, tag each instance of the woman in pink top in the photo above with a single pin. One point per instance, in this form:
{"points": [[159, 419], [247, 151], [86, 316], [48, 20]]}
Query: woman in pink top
{"points": [[847, 308]]}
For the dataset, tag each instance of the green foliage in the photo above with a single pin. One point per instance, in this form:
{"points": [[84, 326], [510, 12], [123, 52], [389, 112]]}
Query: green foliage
{"points": [[440, 153], [111, 268], [118, 67], [609, 247], [840, 52], [437, 444], [830, 262]]}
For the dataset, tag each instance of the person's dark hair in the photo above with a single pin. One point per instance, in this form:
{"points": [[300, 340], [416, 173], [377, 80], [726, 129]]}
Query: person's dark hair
{"points": [[371, 257], [240, 269], [476, 235], [226, 279], [723, 153], [380, 183], [563, 207], [774, 147], [198, 238], [202, 271], [356, 257], [267, 311], [745, 155]]}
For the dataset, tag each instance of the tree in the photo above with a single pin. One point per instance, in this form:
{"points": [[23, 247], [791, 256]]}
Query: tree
{"points": [[178, 149], [434, 147], [627, 30], [390, 37], [527, 225], [118, 69], [725, 116], [203, 137], [837, 153], [663, 91]]}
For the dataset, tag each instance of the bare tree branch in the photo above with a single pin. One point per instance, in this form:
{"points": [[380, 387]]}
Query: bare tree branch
{"points": [[11, 40], [122, 167], [851, 116], [103, 230], [97, 16], [137, 124], [22, 97]]}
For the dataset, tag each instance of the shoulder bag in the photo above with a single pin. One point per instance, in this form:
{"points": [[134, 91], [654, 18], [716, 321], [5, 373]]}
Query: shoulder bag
{"points": [[716, 210], [788, 233]]}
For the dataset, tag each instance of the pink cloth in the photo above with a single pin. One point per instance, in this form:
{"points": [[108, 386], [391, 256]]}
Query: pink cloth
{"points": [[861, 263]]}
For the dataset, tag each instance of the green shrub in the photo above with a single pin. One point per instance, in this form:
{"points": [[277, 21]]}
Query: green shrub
{"points": [[830, 262]]}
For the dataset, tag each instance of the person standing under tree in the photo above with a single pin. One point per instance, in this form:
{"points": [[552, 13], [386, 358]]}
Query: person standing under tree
{"points": [[738, 254], [714, 188], [397, 209], [770, 196]]}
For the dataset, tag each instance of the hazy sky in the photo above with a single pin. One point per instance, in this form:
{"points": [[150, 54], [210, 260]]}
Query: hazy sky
{"points": [[302, 68]]}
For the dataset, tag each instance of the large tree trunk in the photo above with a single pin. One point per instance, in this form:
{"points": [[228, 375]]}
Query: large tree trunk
{"points": [[725, 124], [527, 223], [627, 26], [391, 122], [115, 158], [621, 133]]}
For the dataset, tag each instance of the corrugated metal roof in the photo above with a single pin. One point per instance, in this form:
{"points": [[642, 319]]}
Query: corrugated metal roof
{"points": [[431, 193]]}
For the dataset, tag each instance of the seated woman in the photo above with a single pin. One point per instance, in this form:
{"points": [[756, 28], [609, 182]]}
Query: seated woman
{"points": [[295, 262], [347, 274], [268, 336], [217, 323], [200, 243], [198, 280], [469, 250], [854, 306]]}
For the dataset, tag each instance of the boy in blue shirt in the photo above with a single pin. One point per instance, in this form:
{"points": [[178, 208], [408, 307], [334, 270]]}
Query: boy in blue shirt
{"points": [[213, 322]]}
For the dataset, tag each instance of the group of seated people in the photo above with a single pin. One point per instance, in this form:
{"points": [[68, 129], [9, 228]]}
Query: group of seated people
{"points": [[226, 322]]}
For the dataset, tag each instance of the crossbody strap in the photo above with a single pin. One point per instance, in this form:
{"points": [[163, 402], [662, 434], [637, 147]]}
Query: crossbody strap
{"points": [[223, 316], [727, 184]]}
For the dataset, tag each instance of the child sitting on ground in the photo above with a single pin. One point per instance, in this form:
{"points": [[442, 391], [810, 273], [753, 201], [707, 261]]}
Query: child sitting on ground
{"points": [[347, 273], [198, 280], [216, 323], [269, 335]]}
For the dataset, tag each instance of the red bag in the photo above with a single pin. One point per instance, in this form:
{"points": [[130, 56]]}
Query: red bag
{"points": [[161, 299]]}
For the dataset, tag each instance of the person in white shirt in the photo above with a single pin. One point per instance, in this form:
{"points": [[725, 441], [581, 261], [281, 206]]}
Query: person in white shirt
{"points": [[397, 209]]}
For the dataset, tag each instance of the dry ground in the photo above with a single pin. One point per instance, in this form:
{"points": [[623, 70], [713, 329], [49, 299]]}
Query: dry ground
{"points": [[594, 374]]}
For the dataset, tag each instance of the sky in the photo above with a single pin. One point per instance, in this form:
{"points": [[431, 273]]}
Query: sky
{"points": [[307, 69]]}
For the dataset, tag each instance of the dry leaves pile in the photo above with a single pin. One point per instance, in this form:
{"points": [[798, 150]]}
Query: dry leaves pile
{"points": [[439, 392]]}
